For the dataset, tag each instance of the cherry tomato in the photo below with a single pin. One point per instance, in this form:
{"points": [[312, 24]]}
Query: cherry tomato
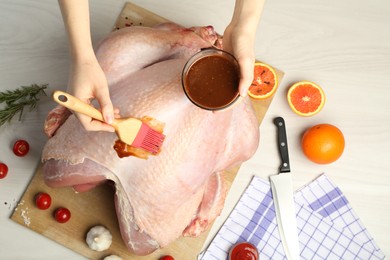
{"points": [[3, 170], [166, 257], [62, 215], [21, 148], [42, 200]]}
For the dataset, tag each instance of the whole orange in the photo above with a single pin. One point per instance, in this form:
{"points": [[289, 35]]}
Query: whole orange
{"points": [[323, 143]]}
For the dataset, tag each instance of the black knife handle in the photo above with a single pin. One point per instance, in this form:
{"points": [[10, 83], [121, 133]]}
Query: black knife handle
{"points": [[282, 144]]}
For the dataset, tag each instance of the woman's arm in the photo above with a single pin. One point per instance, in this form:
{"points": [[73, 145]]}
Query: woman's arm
{"points": [[86, 79]]}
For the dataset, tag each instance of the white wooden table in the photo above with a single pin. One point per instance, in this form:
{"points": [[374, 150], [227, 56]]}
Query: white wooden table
{"points": [[342, 45]]}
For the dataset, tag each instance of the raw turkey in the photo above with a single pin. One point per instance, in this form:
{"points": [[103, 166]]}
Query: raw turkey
{"points": [[180, 191]]}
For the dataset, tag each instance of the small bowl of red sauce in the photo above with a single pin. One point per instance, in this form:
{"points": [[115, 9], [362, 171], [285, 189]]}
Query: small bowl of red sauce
{"points": [[210, 79], [243, 251]]}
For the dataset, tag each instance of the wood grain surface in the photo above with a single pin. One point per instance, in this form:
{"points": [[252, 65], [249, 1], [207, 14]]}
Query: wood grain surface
{"points": [[96, 207]]}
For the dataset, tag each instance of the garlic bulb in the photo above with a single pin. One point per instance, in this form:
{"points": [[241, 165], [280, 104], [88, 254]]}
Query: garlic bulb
{"points": [[99, 238], [112, 257]]}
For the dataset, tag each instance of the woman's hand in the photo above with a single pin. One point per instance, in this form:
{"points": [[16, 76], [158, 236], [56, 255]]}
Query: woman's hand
{"points": [[241, 44], [87, 82], [239, 38]]}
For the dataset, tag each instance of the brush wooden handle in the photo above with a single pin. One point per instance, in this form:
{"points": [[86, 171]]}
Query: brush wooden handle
{"points": [[76, 105]]}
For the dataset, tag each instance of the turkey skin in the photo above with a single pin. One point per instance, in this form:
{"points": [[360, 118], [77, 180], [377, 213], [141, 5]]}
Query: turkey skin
{"points": [[180, 191]]}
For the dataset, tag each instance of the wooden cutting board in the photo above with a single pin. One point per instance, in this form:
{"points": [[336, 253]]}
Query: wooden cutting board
{"points": [[96, 207]]}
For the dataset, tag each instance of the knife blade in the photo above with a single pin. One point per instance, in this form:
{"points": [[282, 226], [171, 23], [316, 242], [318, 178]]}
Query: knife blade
{"points": [[282, 192]]}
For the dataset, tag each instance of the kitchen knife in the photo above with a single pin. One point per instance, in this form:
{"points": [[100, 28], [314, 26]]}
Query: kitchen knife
{"points": [[282, 192]]}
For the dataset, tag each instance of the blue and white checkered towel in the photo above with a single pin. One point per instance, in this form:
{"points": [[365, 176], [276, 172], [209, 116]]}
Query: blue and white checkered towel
{"points": [[328, 228]]}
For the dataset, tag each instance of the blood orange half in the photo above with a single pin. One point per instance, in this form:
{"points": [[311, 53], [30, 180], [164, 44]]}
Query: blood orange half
{"points": [[306, 98], [264, 82]]}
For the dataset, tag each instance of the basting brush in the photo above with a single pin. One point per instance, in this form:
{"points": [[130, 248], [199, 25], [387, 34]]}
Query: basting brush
{"points": [[131, 131]]}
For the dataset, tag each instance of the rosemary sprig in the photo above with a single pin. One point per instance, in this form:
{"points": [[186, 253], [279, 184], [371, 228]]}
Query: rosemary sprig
{"points": [[16, 100]]}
